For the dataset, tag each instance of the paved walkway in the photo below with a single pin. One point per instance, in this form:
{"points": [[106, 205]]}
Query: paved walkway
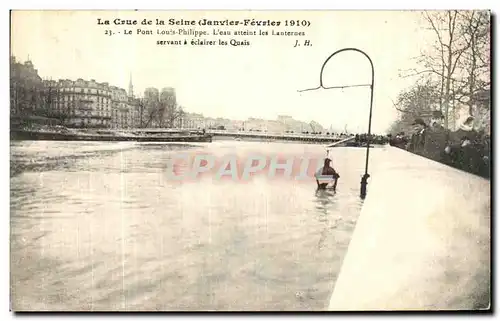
{"points": [[422, 240]]}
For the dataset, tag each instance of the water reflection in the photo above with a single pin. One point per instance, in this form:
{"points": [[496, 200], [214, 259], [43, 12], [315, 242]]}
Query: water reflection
{"points": [[326, 208]]}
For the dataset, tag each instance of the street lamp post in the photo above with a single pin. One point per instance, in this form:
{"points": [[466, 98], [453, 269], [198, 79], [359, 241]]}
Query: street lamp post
{"points": [[364, 178]]}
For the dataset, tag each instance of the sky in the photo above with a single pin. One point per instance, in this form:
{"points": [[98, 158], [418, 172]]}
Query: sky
{"points": [[260, 80]]}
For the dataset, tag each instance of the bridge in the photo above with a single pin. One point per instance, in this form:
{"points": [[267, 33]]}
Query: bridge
{"points": [[320, 138], [313, 138]]}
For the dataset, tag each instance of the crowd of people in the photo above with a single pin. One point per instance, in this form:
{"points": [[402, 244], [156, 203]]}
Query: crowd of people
{"points": [[374, 139], [465, 148]]}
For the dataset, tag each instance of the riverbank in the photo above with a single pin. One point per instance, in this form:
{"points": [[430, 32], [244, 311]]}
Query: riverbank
{"points": [[105, 135], [422, 241], [467, 150]]}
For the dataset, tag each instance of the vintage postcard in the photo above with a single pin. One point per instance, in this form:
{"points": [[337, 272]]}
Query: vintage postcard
{"points": [[250, 160]]}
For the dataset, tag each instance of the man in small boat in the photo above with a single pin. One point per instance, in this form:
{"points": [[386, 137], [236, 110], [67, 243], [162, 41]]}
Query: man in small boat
{"points": [[326, 175]]}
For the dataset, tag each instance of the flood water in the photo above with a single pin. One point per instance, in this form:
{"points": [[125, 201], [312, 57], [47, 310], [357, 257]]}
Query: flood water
{"points": [[100, 226]]}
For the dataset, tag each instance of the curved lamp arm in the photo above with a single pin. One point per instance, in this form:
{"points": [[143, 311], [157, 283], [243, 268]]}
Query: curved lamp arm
{"points": [[364, 179]]}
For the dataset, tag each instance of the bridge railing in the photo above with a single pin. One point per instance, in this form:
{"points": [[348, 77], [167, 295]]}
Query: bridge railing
{"points": [[235, 133], [273, 134]]}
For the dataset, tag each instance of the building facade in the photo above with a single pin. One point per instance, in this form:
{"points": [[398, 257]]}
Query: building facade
{"points": [[79, 103], [151, 94], [168, 96], [83, 103], [26, 89], [134, 112], [120, 117], [193, 121]]}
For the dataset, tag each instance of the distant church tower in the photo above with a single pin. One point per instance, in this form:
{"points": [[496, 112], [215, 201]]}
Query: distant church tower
{"points": [[130, 87]]}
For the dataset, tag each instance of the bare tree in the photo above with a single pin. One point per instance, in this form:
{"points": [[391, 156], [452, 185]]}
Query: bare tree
{"points": [[175, 114], [15, 95], [24, 97], [418, 101], [443, 60], [172, 113], [142, 103], [148, 112], [17, 88], [165, 114], [151, 113], [476, 62], [162, 113], [181, 114], [49, 104]]}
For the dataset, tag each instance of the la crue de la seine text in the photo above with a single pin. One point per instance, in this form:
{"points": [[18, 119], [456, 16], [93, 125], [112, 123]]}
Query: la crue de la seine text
{"points": [[204, 22]]}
